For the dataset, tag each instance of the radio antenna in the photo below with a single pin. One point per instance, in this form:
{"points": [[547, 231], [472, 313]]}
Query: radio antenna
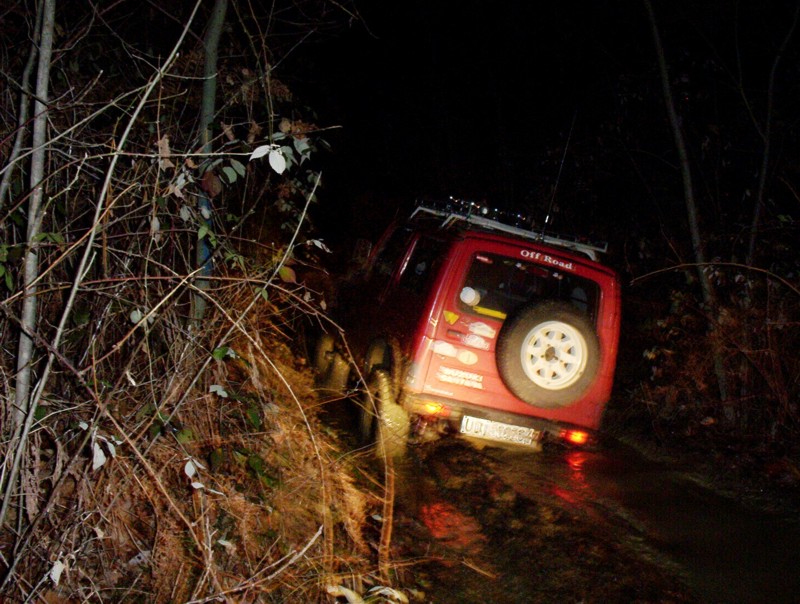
{"points": [[558, 176]]}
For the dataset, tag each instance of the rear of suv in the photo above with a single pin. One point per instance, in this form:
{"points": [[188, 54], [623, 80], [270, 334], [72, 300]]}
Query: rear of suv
{"points": [[463, 323]]}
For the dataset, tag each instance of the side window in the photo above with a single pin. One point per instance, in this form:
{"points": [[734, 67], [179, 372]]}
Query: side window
{"points": [[421, 267], [387, 258]]}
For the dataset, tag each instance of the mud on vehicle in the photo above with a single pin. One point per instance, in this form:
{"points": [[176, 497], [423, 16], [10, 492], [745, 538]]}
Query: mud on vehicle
{"points": [[460, 323]]}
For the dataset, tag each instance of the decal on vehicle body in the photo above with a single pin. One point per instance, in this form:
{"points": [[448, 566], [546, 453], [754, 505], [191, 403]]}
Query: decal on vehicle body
{"points": [[547, 259], [444, 348], [482, 329], [460, 377], [474, 341], [450, 317], [467, 357]]}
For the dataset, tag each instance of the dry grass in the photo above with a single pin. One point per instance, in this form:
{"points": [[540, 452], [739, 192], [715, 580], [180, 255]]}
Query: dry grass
{"points": [[278, 516]]}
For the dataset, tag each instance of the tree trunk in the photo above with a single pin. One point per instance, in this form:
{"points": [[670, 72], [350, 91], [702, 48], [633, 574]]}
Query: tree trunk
{"points": [[31, 259], [208, 108], [689, 199], [22, 413]]}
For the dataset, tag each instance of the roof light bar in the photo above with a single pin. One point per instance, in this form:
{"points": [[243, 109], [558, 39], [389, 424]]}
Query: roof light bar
{"points": [[457, 210]]}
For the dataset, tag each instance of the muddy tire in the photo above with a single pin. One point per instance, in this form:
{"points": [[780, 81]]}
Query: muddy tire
{"points": [[322, 357], [548, 354], [382, 421], [332, 369], [378, 357]]}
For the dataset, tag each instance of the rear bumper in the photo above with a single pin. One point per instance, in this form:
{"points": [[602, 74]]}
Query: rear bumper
{"points": [[450, 412]]}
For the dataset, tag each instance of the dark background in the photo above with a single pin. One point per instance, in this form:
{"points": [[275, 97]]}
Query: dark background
{"points": [[483, 101]]}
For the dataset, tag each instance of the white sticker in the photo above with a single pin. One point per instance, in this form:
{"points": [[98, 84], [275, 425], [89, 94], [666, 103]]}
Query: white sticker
{"points": [[475, 341], [482, 329], [444, 348], [467, 357]]}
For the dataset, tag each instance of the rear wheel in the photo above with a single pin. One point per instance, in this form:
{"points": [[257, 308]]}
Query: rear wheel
{"points": [[382, 421]]}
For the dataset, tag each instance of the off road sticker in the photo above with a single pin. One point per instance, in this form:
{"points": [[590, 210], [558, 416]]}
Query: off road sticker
{"points": [[547, 259]]}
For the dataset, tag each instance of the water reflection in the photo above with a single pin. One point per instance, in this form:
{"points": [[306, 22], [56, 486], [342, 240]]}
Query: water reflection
{"points": [[575, 489], [447, 523]]}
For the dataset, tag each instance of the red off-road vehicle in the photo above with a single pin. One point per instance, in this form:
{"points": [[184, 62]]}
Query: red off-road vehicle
{"points": [[462, 323]]}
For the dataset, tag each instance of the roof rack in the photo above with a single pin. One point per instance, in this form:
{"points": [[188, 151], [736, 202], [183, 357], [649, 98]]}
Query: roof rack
{"points": [[457, 210]]}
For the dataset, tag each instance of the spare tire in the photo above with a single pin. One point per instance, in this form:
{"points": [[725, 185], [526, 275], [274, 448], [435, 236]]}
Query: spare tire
{"points": [[548, 354]]}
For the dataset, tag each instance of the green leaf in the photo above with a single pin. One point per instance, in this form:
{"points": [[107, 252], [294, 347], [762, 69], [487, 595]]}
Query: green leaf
{"points": [[260, 152], [145, 411], [238, 166], [202, 231], [239, 458], [81, 317], [230, 174], [277, 161], [257, 464], [216, 459], [184, 436], [220, 353], [287, 274], [253, 415], [303, 147]]}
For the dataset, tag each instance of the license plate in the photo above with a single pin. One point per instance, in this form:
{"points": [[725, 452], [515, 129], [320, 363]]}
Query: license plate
{"points": [[499, 431]]}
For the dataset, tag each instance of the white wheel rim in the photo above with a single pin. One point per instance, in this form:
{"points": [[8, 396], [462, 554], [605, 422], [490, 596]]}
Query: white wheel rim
{"points": [[553, 355]]}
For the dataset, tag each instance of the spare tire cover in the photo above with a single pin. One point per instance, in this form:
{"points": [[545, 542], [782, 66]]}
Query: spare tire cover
{"points": [[548, 354]]}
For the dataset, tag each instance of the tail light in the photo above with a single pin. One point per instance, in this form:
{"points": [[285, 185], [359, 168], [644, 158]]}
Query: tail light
{"points": [[575, 437], [434, 409]]}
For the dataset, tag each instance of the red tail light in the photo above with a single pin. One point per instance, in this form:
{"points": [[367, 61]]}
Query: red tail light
{"points": [[576, 437], [435, 409]]}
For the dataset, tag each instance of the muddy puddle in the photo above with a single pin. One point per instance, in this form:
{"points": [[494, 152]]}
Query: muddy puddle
{"points": [[581, 526]]}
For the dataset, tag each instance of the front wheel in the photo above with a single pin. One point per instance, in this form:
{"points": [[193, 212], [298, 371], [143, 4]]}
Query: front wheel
{"points": [[332, 370], [382, 421]]}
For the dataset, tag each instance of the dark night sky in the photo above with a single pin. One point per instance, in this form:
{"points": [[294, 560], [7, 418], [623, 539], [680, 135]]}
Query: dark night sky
{"points": [[462, 97], [476, 99]]}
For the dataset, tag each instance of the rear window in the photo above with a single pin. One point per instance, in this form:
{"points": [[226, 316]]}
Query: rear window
{"points": [[496, 285]]}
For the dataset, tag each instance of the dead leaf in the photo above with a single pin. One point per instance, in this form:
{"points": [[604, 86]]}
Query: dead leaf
{"points": [[253, 133], [211, 184], [164, 153]]}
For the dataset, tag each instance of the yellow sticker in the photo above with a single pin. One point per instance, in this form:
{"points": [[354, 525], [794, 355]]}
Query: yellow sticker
{"points": [[450, 317]]}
